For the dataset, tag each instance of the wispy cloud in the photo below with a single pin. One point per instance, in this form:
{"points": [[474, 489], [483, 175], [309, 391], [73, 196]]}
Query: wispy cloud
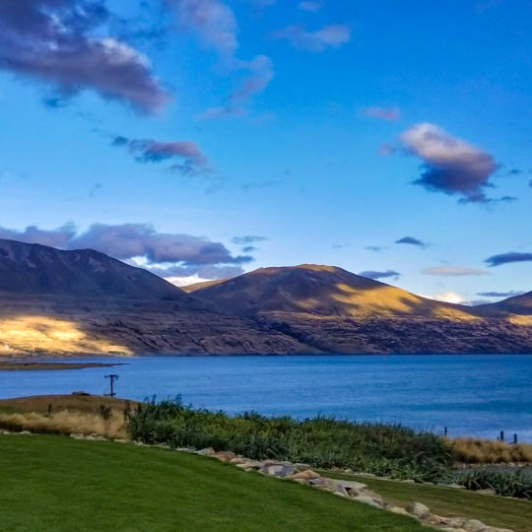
{"points": [[371, 274], [448, 297], [60, 44], [453, 271], [191, 160], [410, 240], [390, 114], [329, 36], [310, 5], [259, 74], [511, 293], [247, 239], [507, 258], [450, 165], [212, 20]]}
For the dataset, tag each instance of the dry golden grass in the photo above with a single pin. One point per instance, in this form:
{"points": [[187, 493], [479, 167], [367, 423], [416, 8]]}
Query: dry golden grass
{"points": [[66, 414], [473, 451], [27, 334], [66, 422]]}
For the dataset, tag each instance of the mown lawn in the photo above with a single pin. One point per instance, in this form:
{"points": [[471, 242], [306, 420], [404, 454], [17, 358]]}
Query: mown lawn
{"points": [[55, 483], [500, 512]]}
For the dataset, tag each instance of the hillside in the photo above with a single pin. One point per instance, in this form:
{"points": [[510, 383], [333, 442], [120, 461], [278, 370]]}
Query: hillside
{"points": [[521, 305], [337, 311], [76, 302]]}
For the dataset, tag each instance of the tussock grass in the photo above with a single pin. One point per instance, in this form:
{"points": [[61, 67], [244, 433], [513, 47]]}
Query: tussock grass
{"points": [[474, 451], [109, 425], [391, 450]]}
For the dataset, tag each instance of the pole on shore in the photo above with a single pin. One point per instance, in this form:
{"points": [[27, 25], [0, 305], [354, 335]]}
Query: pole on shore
{"points": [[112, 379]]}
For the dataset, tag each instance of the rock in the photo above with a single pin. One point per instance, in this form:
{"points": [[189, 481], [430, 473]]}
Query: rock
{"points": [[486, 492], [224, 456], [304, 475], [474, 525], [209, 451], [418, 510], [457, 522], [494, 529], [321, 483], [351, 485], [25, 433], [397, 510], [301, 466], [366, 499], [278, 470], [453, 530]]}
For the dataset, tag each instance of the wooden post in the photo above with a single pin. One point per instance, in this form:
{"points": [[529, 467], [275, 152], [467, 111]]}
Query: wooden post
{"points": [[112, 379], [515, 439], [501, 437], [445, 431]]}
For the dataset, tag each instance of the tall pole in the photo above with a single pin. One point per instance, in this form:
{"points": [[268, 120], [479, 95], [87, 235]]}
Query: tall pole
{"points": [[112, 379]]}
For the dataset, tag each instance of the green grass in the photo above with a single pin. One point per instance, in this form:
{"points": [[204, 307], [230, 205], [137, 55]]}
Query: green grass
{"points": [[55, 483], [495, 511]]}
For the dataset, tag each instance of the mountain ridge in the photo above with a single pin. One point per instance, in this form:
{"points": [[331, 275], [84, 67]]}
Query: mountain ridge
{"points": [[84, 302]]}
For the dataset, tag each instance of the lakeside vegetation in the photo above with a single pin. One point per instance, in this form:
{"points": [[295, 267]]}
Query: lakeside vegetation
{"points": [[42, 366], [386, 450]]}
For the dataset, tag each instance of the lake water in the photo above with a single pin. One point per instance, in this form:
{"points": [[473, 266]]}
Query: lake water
{"points": [[476, 395]]}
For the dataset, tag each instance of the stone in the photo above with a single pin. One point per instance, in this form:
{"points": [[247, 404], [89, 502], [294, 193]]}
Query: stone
{"points": [[209, 451], [418, 510], [321, 483], [224, 456], [366, 499], [474, 525], [351, 485], [397, 510], [305, 475], [495, 529], [278, 470]]}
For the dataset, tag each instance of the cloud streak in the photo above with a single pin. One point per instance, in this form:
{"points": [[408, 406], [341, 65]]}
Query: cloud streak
{"points": [[329, 36], [390, 114], [191, 160], [59, 43], [449, 165], [371, 274], [507, 258], [453, 271], [410, 240]]}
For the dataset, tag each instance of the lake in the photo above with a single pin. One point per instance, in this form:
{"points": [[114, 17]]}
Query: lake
{"points": [[477, 395]]}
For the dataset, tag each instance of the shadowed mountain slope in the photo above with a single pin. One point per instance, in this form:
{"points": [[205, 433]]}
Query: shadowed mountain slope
{"points": [[35, 269], [82, 302], [340, 312], [521, 305]]}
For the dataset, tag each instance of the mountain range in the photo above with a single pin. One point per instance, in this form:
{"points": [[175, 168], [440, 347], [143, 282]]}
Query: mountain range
{"points": [[84, 302]]}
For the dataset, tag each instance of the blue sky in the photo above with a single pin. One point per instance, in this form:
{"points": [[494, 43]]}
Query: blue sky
{"points": [[205, 138]]}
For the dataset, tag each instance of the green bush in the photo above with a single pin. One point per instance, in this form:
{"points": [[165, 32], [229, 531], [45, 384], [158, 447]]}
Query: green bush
{"points": [[513, 483], [391, 450]]}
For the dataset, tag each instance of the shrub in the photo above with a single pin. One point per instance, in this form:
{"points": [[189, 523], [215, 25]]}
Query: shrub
{"points": [[325, 442]]}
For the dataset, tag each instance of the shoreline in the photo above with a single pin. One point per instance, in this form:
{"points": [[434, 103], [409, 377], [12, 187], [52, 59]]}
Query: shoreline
{"points": [[47, 366]]}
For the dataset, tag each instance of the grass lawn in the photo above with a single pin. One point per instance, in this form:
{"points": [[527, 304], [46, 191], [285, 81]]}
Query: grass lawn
{"points": [[55, 483], [500, 512]]}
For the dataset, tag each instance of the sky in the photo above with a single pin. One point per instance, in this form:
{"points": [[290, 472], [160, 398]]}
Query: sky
{"points": [[202, 139]]}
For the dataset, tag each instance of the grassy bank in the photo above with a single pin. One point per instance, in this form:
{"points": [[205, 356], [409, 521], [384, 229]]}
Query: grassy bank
{"points": [[42, 366], [66, 414], [451, 502], [390, 450], [56, 483]]}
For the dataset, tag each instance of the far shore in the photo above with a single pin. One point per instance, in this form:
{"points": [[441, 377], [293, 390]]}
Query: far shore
{"points": [[40, 366]]}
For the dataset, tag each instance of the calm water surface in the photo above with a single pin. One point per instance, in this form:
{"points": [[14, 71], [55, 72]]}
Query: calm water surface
{"points": [[472, 395]]}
